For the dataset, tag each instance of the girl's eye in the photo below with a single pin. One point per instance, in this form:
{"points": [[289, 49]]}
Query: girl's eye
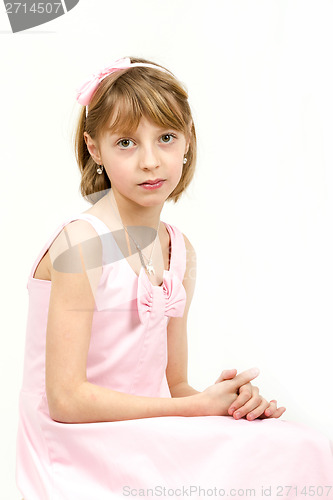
{"points": [[166, 138], [124, 143]]}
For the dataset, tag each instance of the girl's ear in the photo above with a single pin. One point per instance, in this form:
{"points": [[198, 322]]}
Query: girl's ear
{"points": [[92, 148], [187, 145], [189, 137]]}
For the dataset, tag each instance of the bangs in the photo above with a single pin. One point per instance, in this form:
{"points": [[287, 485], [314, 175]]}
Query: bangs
{"points": [[130, 102]]}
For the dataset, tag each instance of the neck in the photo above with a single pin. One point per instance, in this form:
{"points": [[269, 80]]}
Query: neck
{"points": [[133, 214]]}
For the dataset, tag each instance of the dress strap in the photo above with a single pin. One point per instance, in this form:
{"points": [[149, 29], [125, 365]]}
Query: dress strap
{"points": [[97, 224], [178, 251]]}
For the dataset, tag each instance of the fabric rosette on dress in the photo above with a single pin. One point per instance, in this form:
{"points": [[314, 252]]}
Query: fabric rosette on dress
{"points": [[173, 293]]}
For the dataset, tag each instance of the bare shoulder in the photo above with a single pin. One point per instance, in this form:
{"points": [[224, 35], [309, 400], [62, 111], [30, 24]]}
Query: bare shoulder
{"points": [[77, 246], [74, 233], [76, 267], [191, 266], [188, 244], [191, 257]]}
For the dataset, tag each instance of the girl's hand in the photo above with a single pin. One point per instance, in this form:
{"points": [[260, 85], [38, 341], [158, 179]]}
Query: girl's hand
{"points": [[249, 402], [217, 398], [251, 405]]}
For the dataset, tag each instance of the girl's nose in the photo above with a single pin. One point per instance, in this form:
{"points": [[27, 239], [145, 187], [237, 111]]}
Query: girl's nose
{"points": [[149, 157]]}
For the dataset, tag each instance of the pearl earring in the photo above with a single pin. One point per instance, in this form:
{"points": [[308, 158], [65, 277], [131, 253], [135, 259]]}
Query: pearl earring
{"points": [[185, 160], [99, 169]]}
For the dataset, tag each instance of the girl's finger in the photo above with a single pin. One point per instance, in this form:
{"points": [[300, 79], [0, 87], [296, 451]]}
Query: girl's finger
{"points": [[269, 412], [245, 377], [227, 375], [257, 412], [246, 392], [279, 412], [276, 414], [255, 404]]}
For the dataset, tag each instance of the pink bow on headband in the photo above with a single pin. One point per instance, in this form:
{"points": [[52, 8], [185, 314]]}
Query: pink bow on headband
{"points": [[87, 90]]}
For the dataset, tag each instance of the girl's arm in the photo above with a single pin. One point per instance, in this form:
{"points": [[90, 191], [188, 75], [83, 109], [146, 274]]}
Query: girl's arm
{"points": [[176, 371]]}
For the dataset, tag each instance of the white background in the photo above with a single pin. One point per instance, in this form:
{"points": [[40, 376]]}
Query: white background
{"points": [[259, 211]]}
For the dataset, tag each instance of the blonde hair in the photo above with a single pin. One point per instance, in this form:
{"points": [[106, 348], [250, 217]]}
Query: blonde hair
{"points": [[127, 95]]}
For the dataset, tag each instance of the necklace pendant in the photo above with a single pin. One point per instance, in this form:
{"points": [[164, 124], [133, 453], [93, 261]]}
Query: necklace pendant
{"points": [[150, 269]]}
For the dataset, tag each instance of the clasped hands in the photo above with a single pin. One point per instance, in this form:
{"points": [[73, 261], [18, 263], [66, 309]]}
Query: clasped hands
{"points": [[245, 398]]}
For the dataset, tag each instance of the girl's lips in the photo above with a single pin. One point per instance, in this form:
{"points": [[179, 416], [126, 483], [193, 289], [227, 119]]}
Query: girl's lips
{"points": [[153, 181], [152, 184]]}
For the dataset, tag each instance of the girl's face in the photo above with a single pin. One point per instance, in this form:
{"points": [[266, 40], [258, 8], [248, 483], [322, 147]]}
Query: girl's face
{"points": [[148, 154]]}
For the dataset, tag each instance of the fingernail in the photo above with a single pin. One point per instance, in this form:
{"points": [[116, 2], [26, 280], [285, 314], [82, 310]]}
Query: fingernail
{"points": [[237, 414], [231, 410], [250, 416], [255, 371]]}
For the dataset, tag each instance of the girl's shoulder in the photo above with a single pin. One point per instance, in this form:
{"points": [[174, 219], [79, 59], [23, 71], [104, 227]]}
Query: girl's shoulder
{"points": [[188, 244], [76, 243], [191, 259], [74, 239]]}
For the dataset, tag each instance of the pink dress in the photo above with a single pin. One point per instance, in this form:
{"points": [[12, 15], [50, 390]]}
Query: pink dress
{"points": [[151, 457]]}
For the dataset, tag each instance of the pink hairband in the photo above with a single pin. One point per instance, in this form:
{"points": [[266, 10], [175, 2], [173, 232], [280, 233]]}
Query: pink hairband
{"points": [[87, 90]]}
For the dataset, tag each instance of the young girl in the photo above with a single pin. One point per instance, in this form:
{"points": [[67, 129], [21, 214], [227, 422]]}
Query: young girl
{"points": [[106, 410]]}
